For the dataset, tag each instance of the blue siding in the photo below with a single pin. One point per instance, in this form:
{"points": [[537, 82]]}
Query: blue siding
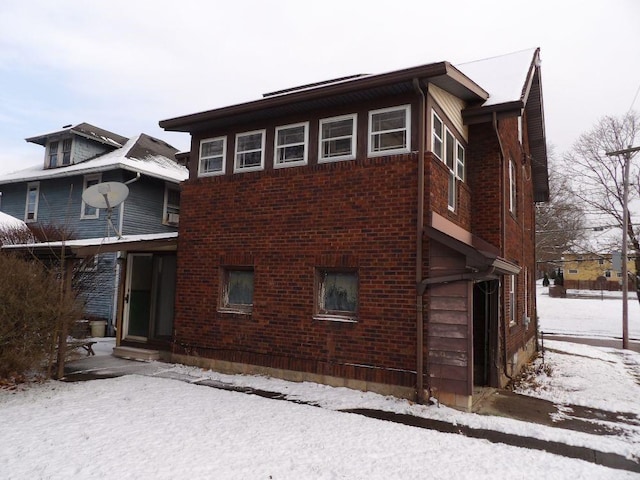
{"points": [[60, 203], [84, 149]]}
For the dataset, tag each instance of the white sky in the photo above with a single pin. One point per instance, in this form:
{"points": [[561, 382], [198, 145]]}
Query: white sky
{"points": [[125, 65]]}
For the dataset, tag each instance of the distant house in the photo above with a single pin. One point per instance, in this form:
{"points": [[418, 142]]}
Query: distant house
{"points": [[48, 197], [375, 231]]}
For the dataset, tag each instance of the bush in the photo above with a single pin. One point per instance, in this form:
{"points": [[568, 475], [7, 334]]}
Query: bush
{"points": [[32, 311]]}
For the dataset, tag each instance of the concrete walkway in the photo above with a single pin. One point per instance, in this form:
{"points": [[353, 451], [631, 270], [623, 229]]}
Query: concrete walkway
{"points": [[497, 402]]}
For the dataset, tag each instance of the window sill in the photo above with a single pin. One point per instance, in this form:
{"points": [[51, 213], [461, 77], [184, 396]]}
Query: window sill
{"points": [[335, 318], [236, 311]]}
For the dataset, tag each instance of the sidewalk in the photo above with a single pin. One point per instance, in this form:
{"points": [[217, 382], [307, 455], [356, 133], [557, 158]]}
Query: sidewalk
{"points": [[500, 403]]}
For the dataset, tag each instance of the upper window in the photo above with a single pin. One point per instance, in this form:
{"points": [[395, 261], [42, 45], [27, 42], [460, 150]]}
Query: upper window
{"points": [[337, 138], [249, 151], [87, 210], [212, 156], [53, 154], [337, 294], [291, 145], [460, 161], [512, 186], [438, 135], [66, 151], [237, 290], [389, 130], [171, 210], [31, 207]]}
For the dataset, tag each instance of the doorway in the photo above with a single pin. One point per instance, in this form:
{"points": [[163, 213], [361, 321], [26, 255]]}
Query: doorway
{"points": [[149, 297], [485, 333]]}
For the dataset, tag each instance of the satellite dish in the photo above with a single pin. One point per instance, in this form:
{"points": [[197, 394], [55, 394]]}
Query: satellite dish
{"points": [[105, 195]]}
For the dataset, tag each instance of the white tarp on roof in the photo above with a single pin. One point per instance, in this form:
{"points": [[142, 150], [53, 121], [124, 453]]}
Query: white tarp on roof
{"points": [[504, 77], [154, 166]]}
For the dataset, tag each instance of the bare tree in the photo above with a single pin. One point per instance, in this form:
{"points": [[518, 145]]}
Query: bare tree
{"points": [[598, 178], [560, 221]]}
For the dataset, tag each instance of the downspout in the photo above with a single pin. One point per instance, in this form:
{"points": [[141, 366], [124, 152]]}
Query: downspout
{"points": [[504, 243], [419, 240]]}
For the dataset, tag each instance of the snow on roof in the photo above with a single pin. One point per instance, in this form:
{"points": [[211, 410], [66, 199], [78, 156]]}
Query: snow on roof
{"points": [[504, 76], [99, 241], [157, 166], [7, 221]]}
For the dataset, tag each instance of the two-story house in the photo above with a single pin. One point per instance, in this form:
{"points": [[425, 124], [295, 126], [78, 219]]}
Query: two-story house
{"points": [[48, 197], [375, 231]]}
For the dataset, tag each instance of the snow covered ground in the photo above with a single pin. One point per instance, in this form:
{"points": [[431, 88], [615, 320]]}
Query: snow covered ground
{"points": [[151, 427]]}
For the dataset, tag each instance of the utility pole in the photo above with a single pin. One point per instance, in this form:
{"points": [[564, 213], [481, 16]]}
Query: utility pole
{"points": [[626, 153]]}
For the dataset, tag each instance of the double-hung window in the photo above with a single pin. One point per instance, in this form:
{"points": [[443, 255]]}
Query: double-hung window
{"points": [[33, 198], [87, 210], [249, 151], [390, 130], [237, 289], [171, 210], [66, 151], [451, 152], [512, 300], [212, 156], [438, 135], [337, 294], [512, 186], [53, 154], [337, 138], [291, 145]]}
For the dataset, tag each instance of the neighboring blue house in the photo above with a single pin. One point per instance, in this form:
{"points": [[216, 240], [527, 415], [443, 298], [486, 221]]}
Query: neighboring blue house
{"points": [[48, 197]]}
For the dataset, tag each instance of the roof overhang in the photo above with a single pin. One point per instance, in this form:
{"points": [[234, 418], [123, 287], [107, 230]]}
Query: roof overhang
{"points": [[358, 89], [164, 242], [483, 259]]}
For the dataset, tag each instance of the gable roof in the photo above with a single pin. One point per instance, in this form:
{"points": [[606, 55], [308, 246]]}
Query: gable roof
{"points": [[84, 130], [141, 154]]}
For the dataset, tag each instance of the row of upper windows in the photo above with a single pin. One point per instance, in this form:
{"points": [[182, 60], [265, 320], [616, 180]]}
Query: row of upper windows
{"points": [[171, 206], [451, 152], [389, 133]]}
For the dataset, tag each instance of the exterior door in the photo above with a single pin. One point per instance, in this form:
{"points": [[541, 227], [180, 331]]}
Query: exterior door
{"points": [[149, 296]]}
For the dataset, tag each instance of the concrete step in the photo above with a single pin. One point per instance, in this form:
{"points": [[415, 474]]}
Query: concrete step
{"points": [[132, 353]]}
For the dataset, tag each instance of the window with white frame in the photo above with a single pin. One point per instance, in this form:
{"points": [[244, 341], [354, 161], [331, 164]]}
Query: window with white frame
{"points": [[390, 130], [249, 151], [87, 210], [291, 145], [33, 198], [212, 156], [237, 289], [512, 300], [337, 294], [460, 161], [171, 210], [437, 137], [337, 138], [512, 186]]}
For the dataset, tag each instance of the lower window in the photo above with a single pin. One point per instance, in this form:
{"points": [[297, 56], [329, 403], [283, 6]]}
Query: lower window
{"points": [[337, 293], [237, 290]]}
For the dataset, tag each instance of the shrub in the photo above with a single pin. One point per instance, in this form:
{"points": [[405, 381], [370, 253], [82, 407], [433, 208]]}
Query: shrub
{"points": [[33, 310]]}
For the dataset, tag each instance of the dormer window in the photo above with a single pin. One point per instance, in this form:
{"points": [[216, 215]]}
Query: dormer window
{"points": [[53, 154], [59, 153]]}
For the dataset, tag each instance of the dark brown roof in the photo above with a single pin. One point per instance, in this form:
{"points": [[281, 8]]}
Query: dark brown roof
{"points": [[85, 130], [149, 146]]}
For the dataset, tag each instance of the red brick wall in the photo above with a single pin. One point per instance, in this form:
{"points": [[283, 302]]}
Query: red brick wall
{"points": [[285, 223]]}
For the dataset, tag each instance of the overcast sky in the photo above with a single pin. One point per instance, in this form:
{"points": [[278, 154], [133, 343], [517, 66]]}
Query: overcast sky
{"points": [[123, 65]]}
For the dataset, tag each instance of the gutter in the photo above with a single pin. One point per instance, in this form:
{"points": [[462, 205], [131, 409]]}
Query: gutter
{"points": [[419, 245]]}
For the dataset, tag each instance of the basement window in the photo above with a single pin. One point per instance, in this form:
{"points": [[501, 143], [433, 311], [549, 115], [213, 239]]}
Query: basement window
{"points": [[237, 290], [336, 295]]}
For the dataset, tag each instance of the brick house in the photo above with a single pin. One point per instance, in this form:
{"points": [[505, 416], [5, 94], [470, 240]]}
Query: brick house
{"points": [[374, 231]]}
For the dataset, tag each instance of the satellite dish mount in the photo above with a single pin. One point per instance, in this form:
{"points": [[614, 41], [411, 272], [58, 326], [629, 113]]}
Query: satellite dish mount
{"points": [[106, 195]]}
